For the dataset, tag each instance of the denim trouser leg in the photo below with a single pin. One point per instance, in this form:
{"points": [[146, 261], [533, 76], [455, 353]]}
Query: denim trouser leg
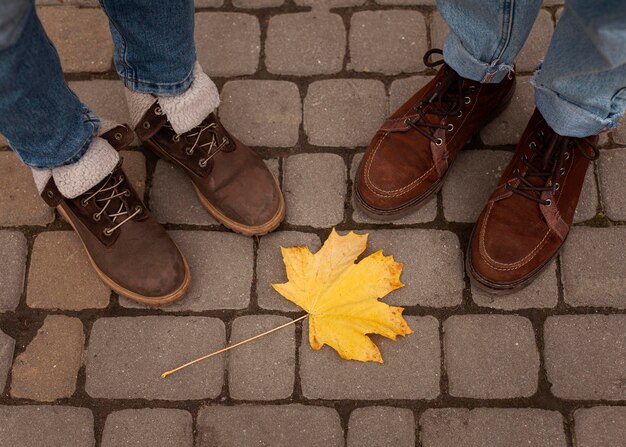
{"points": [[486, 35], [580, 88], [44, 122]]}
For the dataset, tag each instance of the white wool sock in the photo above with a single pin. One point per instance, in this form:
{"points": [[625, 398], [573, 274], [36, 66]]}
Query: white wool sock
{"points": [[184, 111]]}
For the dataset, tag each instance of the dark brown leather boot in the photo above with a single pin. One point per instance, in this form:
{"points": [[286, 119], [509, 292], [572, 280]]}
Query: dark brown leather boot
{"points": [[231, 181], [127, 247], [408, 158], [529, 215]]}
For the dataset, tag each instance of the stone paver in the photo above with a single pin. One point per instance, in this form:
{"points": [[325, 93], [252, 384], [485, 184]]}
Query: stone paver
{"points": [[262, 370], [106, 98], [541, 293], [388, 42], [48, 368], [470, 183], [490, 356], [411, 369], [426, 255], [221, 271], [61, 276], [271, 269], [481, 427], [315, 182], [600, 427], [537, 43], [325, 4], [305, 44], [438, 30], [7, 345], [127, 355], [588, 203], [134, 164], [228, 44], [262, 113], [594, 267], [208, 3], [344, 112], [619, 134], [56, 426], [585, 356], [611, 165], [257, 3], [81, 37], [13, 252], [148, 427], [20, 203], [280, 426], [381, 427], [509, 126], [403, 89], [426, 213]]}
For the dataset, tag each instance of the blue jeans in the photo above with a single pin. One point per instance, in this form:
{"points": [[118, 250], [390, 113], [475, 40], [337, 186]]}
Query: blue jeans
{"points": [[43, 120], [580, 88]]}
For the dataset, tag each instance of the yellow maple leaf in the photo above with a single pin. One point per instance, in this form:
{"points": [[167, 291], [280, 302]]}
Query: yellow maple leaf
{"points": [[341, 297]]}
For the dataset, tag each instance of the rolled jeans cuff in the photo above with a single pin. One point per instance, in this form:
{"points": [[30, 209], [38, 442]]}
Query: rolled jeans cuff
{"points": [[162, 89], [567, 118], [467, 66]]}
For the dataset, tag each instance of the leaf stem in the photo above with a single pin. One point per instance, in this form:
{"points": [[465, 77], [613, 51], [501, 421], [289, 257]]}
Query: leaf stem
{"points": [[228, 348]]}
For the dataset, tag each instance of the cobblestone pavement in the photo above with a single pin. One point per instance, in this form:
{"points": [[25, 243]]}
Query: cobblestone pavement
{"points": [[308, 87]]}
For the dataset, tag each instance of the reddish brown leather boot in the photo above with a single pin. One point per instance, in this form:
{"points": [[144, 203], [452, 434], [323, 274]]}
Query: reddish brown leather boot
{"points": [[529, 215], [408, 158], [231, 181], [126, 246]]}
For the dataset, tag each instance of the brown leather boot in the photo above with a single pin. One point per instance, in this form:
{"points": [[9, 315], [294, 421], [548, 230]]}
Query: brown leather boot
{"points": [[129, 250], [231, 181], [529, 215], [408, 158]]}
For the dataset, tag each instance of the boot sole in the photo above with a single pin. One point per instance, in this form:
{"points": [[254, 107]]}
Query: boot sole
{"points": [[419, 202], [120, 290], [231, 224]]}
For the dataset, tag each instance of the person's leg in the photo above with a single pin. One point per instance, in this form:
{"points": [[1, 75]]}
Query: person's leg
{"points": [[580, 88], [486, 35]]}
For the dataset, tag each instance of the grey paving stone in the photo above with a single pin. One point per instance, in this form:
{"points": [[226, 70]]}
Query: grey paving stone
{"points": [[509, 126], [326, 4], [388, 42], [411, 370], [148, 427], [438, 30], [271, 425], [537, 43], [481, 427], [403, 89], [344, 112], [257, 3], [262, 113], [134, 164], [127, 355], [20, 203], [305, 44], [271, 269], [81, 37], [594, 267], [433, 265], [13, 251], [490, 356], [228, 44], [426, 213], [263, 369], [60, 255], [612, 165], [585, 356], [600, 427], [619, 134], [541, 293], [48, 368], [315, 189], [470, 183], [3, 141], [208, 3], [221, 271], [106, 98], [588, 203], [7, 345], [381, 427], [57, 426]]}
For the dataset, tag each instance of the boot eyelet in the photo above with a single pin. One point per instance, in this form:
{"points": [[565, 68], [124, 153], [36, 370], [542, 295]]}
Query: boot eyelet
{"points": [[562, 171], [532, 145], [438, 142], [556, 187], [567, 155], [50, 194], [468, 100], [460, 114], [158, 111], [524, 158], [508, 186], [176, 138], [84, 202], [450, 127], [107, 232], [138, 209], [549, 204], [126, 193], [203, 162], [118, 136], [146, 125], [515, 172], [407, 121], [97, 217], [189, 151]]}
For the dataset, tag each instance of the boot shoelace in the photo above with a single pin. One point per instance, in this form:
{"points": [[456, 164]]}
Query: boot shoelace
{"points": [[447, 99], [195, 137], [551, 157], [104, 197]]}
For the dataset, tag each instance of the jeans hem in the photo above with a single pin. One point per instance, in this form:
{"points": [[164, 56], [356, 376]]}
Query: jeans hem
{"points": [[156, 88], [467, 66]]}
